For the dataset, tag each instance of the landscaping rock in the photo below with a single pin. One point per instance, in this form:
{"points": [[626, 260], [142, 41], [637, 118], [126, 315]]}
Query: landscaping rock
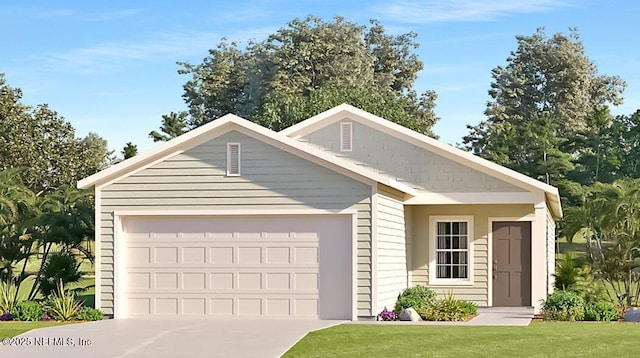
{"points": [[632, 315], [409, 314]]}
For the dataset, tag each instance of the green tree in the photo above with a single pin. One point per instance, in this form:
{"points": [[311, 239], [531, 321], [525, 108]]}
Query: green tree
{"points": [[625, 142], [609, 219], [548, 113], [596, 151], [44, 145], [130, 150], [307, 67], [173, 125]]}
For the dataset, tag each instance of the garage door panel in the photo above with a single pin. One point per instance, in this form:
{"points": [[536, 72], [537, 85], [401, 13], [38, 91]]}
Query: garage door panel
{"points": [[225, 267]]}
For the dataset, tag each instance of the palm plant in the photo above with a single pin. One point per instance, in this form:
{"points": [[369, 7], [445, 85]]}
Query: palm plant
{"points": [[610, 221]]}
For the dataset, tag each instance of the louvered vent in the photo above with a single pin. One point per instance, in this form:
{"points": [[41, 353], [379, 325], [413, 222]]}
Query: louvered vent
{"points": [[346, 137], [233, 159]]}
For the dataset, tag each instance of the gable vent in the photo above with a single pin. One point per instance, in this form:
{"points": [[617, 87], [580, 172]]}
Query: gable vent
{"points": [[233, 159], [346, 136]]}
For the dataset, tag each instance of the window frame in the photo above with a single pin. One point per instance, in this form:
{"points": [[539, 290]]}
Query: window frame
{"points": [[342, 132], [433, 250], [229, 159]]}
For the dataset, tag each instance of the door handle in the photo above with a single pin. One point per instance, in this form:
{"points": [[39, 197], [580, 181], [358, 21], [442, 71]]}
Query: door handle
{"points": [[495, 269]]}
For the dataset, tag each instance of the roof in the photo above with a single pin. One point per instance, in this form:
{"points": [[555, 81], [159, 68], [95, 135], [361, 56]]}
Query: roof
{"points": [[226, 124], [465, 158]]}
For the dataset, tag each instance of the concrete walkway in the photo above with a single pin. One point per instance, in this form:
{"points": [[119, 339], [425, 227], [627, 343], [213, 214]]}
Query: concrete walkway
{"points": [[165, 338], [488, 316]]}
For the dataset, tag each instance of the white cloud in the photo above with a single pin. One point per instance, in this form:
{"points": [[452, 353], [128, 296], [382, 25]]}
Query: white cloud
{"points": [[427, 11], [111, 56]]}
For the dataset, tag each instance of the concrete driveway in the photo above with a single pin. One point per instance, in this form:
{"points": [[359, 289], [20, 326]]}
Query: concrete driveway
{"points": [[165, 338]]}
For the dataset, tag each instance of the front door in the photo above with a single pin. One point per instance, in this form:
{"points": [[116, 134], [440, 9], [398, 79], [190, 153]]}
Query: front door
{"points": [[511, 264]]}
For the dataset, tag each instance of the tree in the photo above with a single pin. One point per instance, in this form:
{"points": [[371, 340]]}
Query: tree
{"points": [[544, 77], [307, 67], [44, 145], [173, 125], [546, 110], [625, 142], [609, 219], [130, 150]]}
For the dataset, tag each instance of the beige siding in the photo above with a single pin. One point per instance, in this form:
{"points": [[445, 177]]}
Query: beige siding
{"points": [[406, 162], [551, 252], [478, 292], [271, 179], [392, 249]]}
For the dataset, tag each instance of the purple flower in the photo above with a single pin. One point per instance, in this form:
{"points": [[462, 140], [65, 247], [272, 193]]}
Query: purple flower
{"points": [[45, 317], [6, 316], [387, 315]]}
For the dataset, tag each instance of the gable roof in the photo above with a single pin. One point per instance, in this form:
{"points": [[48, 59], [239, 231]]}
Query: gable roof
{"points": [[226, 124], [457, 155]]}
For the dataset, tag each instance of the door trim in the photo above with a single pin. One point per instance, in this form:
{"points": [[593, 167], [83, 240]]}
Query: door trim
{"points": [[119, 245], [531, 218]]}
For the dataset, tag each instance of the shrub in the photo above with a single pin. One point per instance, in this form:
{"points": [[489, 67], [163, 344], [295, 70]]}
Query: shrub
{"points": [[59, 267], [418, 297], [564, 306], [63, 305], [7, 297], [28, 311], [6, 316], [449, 309], [91, 314], [600, 311]]}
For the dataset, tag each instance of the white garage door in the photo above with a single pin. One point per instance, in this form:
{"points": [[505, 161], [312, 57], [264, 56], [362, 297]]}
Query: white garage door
{"points": [[274, 266]]}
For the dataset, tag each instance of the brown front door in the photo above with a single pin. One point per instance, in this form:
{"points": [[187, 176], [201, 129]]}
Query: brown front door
{"points": [[511, 264]]}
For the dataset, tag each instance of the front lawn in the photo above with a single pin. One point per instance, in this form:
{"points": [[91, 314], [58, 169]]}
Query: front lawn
{"points": [[13, 328], [540, 339]]}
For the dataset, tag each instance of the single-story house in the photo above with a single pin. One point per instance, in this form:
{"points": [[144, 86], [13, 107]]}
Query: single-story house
{"points": [[330, 218]]}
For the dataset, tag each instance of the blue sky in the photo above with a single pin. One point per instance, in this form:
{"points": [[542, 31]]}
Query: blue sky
{"points": [[110, 66]]}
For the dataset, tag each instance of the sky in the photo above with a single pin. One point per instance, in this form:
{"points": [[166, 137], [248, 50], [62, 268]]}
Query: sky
{"points": [[109, 67]]}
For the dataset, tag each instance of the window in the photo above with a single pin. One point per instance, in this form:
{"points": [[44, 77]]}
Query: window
{"points": [[346, 136], [451, 250], [233, 159]]}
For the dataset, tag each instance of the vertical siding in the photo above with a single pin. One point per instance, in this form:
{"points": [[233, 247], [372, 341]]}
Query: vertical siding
{"points": [[392, 249], [270, 179], [478, 292], [406, 162]]}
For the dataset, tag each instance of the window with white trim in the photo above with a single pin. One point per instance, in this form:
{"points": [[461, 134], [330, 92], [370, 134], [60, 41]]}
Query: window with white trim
{"points": [[346, 136], [233, 159], [451, 250]]}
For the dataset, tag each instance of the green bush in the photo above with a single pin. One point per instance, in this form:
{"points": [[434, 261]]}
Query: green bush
{"points": [[90, 314], [600, 311], [449, 309], [564, 306], [27, 311], [7, 297], [59, 267], [418, 297], [62, 305]]}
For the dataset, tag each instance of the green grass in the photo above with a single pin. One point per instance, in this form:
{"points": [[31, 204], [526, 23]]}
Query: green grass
{"points": [[11, 329], [540, 339]]}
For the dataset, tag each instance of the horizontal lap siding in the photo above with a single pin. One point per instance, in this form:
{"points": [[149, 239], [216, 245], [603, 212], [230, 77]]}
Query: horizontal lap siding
{"points": [[392, 249], [478, 292], [406, 162], [271, 179]]}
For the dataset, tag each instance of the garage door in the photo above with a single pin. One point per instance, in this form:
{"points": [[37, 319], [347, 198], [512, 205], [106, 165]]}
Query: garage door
{"points": [[250, 266]]}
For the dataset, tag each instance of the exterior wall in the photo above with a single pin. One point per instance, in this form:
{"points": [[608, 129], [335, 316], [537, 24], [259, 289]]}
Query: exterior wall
{"points": [[479, 290], [270, 179], [391, 249], [551, 253], [406, 162]]}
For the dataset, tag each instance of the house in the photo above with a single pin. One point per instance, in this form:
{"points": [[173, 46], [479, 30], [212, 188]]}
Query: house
{"points": [[330, 218]]}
